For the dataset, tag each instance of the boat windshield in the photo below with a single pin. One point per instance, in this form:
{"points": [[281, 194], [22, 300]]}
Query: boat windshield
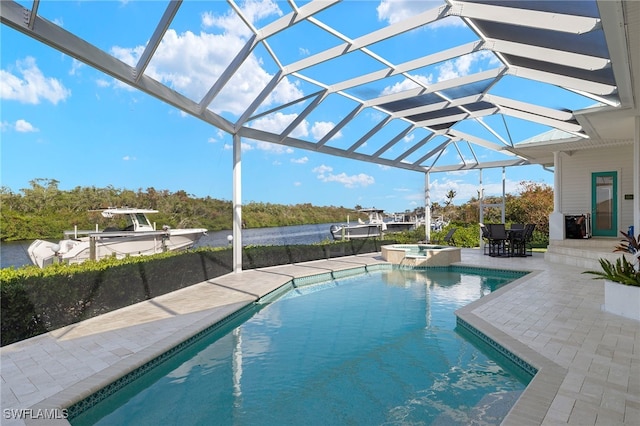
{"points": [[142, 220]]}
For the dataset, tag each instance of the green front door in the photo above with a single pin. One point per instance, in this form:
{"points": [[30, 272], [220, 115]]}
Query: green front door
{"points": [[604, 204]]}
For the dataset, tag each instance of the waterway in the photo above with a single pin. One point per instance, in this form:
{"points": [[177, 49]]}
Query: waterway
{"points": [[15, 253]]}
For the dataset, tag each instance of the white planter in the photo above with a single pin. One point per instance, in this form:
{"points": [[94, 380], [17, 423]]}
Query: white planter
{"points": [[623, 300]]}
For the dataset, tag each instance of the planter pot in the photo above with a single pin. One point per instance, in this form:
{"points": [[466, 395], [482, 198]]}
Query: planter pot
{"points": [[623, 300]]}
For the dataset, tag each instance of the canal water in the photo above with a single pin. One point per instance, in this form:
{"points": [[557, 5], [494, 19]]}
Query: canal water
{"points": [[15, 253]]}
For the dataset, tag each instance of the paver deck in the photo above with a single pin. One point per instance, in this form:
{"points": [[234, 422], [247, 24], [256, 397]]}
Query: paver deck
{"points": [[588, 360]]}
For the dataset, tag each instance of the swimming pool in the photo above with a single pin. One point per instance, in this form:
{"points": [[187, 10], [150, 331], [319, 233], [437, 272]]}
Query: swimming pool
{"points": [[378, 348]]}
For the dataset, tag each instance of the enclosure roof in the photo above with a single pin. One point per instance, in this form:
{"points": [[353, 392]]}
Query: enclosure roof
{"points": [[451, 86]]}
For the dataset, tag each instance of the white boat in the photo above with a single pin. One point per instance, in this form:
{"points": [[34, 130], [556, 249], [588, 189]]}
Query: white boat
{"points": [[374, 227], [138, 238], [401, 222]]}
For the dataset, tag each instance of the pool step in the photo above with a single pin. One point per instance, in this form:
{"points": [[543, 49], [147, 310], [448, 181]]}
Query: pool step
{"points": [[490, 410]]}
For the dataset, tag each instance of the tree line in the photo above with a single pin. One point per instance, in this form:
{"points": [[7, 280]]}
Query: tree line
{"points": [[45, 211]]}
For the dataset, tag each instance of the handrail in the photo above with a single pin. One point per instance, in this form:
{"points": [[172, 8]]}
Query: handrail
{"points": [[108, 234]]}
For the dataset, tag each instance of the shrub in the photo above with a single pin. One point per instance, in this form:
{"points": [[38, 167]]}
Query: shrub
{"points": [[36, 300]]}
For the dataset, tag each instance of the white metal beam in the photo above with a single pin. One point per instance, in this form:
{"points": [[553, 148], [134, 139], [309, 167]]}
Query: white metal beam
{"points": [[561, 57], [457, 134], [525, 18], [562, 125], [156, 38], [562, 80], [237, 204], [525, 106], [294, 17], [438, 106], [408, 66], [367, 39], [442, 85]]}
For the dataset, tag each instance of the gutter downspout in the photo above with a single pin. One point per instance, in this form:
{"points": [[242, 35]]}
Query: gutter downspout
{"points": [[636, 178]]}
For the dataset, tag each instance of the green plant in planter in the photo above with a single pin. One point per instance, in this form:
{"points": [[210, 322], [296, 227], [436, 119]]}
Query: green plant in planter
{"points": [[622, 271]]}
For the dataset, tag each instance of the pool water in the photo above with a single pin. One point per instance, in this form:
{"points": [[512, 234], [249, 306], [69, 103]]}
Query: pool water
{"points": [[378, 348]]}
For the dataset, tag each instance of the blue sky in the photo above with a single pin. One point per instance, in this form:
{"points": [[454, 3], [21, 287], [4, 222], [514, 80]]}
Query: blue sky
{"points": [[63, 120]]}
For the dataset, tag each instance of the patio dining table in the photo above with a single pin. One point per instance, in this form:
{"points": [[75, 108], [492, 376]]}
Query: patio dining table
{"points": [[505, 242]]}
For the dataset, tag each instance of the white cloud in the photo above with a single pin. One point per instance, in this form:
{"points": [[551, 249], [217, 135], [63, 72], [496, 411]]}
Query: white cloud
{"points": [[321, 128], [464, 190], [75, 66], [322, 169], [30, 86], [302, 160], [243, 147], [324, 173], [465, 65], [129, 158], [407, 84], [394, 11], [273, 148], [278, 122], [24, 126], [455, 68], [219, 135], [191, 63], [101, 82], [253, 10], [297, 183]]}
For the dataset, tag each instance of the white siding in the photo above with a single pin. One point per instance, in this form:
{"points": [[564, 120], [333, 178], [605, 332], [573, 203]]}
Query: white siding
{"points": [[576, 179]]}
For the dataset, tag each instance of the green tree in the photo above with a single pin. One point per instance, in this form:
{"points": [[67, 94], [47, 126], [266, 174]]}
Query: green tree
{"points": [[451, 194], [533, 204]]}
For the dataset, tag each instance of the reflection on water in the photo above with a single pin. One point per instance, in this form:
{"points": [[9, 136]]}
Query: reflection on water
{"points": [[15, 253], [361, 351]]}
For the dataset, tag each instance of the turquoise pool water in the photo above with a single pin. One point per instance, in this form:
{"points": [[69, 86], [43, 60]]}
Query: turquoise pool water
{"points": [[378, 348]]}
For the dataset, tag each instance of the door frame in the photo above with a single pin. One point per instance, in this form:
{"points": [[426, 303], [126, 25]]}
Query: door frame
{"points": [[596, 232]]}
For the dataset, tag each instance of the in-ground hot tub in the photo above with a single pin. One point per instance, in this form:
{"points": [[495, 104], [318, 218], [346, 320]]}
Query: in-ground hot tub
{"points": [[420, 254]]}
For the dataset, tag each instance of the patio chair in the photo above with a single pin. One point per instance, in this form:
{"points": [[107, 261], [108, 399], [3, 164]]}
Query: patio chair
{"points": [[498, 239], [486, 237], [521, 241], [517, 241], [528, 238], [447, 238]]}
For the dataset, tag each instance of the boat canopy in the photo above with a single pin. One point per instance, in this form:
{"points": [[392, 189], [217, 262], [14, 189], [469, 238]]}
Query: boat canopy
{"points": [[110, 212]]}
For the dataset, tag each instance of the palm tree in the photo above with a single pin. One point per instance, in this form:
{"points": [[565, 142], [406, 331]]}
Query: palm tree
{"points": [[450, 196]]}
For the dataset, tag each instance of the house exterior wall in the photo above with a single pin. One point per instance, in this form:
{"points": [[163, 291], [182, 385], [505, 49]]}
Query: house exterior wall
{"points": [[577, 168]]}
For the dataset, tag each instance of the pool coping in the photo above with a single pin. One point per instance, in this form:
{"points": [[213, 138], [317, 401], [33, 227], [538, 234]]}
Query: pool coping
{"points": [[119, 374], [539, 394]]}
